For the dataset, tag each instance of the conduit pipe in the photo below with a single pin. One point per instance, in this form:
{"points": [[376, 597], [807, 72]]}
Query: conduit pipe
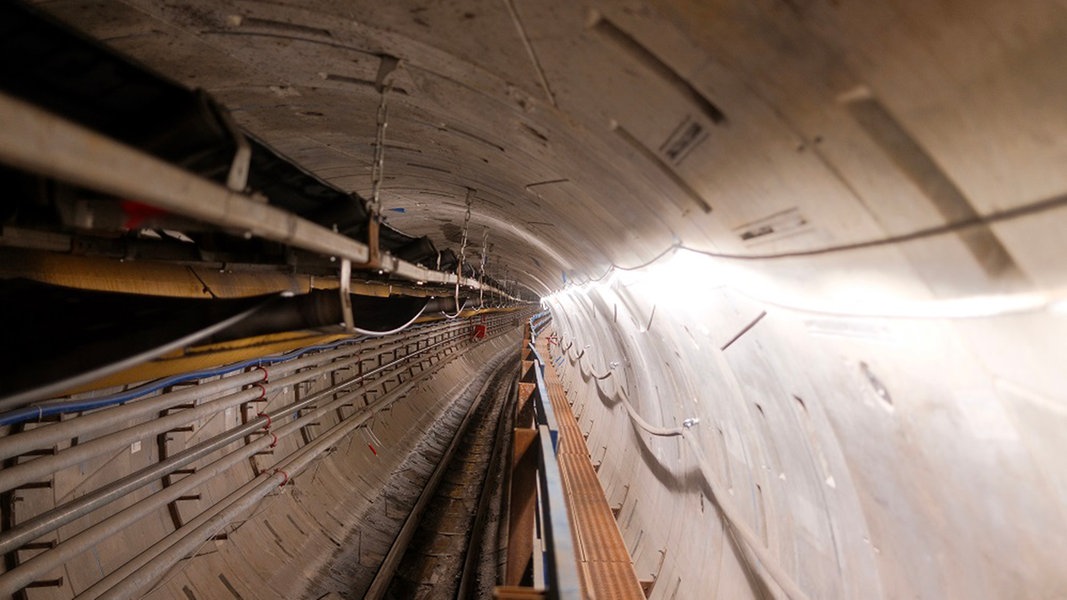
{"points": [[182, 543], [34, 470], [106, 420], [57, 517], [27, 572], [130, 579], [39, 468], [71, 511], [31, 570], [39, 141], [61, 406], [43, 437]]}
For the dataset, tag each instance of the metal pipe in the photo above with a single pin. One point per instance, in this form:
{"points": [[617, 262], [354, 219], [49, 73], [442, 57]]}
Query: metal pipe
{"points": [[44, 466], [39, 141], [66, 513], [60, 516], [105, 420], [130, 579], [28, 571], [172, 551], [34, 470]]}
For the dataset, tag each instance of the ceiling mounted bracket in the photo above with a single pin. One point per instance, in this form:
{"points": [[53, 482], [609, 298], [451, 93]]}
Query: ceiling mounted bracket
{"points": [[237, 178], [345, 290], [374, 208], [374, 250]]}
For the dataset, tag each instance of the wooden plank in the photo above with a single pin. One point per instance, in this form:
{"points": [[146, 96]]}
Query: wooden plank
{"points": [[604, 562]]}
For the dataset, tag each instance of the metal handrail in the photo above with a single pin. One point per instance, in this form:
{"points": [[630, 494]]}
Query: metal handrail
{"points": [[559, 559]]}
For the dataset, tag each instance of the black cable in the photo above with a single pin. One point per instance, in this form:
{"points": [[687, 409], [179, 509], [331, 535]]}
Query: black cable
{"points": [[937, 230], [977, 221]]}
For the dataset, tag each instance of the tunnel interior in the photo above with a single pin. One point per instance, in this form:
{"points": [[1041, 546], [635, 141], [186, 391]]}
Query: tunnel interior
{"points": [[803, 264]]}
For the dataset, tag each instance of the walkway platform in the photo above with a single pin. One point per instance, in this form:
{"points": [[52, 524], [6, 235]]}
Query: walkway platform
{"points": [[604, 563]]}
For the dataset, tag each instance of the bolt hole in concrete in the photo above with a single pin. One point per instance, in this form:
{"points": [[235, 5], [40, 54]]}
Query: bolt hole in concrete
{"points": [[876, 383]]}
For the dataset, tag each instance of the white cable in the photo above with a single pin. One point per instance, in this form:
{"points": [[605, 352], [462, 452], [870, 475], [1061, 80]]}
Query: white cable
{"points": [[392, 331], [729, 512]]}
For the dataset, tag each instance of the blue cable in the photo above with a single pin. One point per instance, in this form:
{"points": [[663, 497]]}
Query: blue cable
{"points": [[34, 413]]}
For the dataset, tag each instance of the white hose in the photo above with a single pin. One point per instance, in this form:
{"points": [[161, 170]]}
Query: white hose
{"points": [[730, 513]]}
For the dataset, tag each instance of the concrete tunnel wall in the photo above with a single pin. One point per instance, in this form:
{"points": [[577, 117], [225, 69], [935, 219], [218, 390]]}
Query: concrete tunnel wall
{"points": [[892, 427], [862, 481]]}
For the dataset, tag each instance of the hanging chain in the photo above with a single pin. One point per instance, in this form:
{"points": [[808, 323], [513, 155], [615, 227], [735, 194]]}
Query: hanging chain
{"points": [[481, 269], [463, 246], [466, 225], [378, 168]]}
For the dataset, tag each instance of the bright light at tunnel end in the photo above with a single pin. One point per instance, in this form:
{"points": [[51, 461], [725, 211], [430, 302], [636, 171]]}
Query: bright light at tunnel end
{"points": [[682, 281]]}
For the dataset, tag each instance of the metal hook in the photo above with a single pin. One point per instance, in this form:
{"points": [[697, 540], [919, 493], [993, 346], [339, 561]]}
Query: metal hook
{"points": [[651, 316]]}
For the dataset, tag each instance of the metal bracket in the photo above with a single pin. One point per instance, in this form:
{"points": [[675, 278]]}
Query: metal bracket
{"points": [[237, 179], [345, 289]]}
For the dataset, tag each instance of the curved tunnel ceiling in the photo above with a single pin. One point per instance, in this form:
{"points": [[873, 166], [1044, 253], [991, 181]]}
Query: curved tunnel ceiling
{"points": [[599, 134], [834, 159], [604, 133], [608, 132]]}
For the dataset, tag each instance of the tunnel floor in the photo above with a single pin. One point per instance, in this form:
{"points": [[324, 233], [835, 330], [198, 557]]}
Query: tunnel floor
{"points": [[463, 515], [364, 561]]}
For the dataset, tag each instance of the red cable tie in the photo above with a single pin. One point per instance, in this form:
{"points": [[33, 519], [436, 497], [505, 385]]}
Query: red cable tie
{"points": [[266, 374], [275, 442], [284, 481], [262, 392], [262, 414], [372, 449]]}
